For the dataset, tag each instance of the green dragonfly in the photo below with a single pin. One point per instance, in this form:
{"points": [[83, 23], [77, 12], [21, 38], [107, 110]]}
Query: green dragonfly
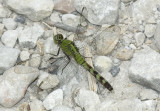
{"points": [[70, 50]]}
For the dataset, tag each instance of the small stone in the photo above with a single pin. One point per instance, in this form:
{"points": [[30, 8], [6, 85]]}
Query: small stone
{"points": [[149, 105], [87, 99], [55, 17], [150, 30], [8, 58], [115, 70], [132, 46], [23, 107], [64, 6], [55, 98], [42, 95], [62, 108], [21, 19], [24, 55], [35, 60], [124, 54], [3, 12], [1, 29], [103, 63], [71, 20], [9, 38], [47, 81], [48, 33], [147, 94], [9, 23], [139, 37], [15, 81], [126, 1], [36, 105], [157, 36]]}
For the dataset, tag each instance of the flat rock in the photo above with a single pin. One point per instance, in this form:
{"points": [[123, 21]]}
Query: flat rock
{"points": [[34, 9], [71, 20], [124, 54], [98, 12], [9, 23], [148, 94], [9, 38], [145, 68], [14, 83], [62, 108], [149, 105], [149, 30], [8, 57]]}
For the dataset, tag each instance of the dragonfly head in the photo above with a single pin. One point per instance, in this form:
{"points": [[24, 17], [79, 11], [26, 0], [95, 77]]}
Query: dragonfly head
{"points": [[58, 38]]}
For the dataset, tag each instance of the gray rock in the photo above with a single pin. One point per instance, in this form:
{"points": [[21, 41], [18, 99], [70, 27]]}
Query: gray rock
{"points": [[62, 108], [157, 36], [55, 17], [126, 1], [24, 55], [147, 94], [124, 54], [35, 60], [139, 37], [3, 11], [35, 10], [9, 23], [71, 20], [149, 105], [121, 105], [29, 36], [98, 12], [48, 33], [145, 68], [115, 70], [20, 19], [36, 105], [47, 81], [87, 99], [15, 82], [9, 38], [149, 30], [55, 98], [1, 29], [8, 58], [102, 63]]}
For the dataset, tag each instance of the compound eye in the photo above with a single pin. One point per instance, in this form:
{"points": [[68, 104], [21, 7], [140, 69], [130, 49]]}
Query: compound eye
{"points": [[59, 36]]}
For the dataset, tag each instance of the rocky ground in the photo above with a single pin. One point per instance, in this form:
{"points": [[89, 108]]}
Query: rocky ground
{"points": [[120, 38]]}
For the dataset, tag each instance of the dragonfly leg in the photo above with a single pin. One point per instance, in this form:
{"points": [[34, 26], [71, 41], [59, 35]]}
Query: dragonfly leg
{"points": [[66, 64], [57, 52]]}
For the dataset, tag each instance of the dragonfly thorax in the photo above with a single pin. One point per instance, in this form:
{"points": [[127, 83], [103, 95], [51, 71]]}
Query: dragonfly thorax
{"points": [[58, 38]]}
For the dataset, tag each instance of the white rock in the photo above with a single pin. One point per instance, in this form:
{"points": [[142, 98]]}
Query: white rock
{"points": [[124, 54], [157, 36], [139, 37], [36, 105], [103, 63], [48, 33], [47, 81], [29, 36], [71, 20], [34, 9], [149, 105], [8, 58], [98, 12], [55, 17], [145, 68], [121, 105], [3, 11], [24, 55], [149, 30], [15, 82], [147, 94], [8, 109], [1, 29], [9, 23], [126, 1], [55, 98], [9, 38], [35, 60], [62, 108], [87, 99]]}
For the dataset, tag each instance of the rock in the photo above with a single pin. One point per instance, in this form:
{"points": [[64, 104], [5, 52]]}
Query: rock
{"points": [[9, 38], [24, 55], [9, 23], [106, 41], [148, 94], [36, 105], [139, 37], [55, 98], [14, 83], [115, 70], [8, 58], [42, 95], [145, 67], [48, 33], [1, 29], [71, 20], [98, 12], [64, 6], [35, 10], [47, 81], [149, 30], [103, 63], [21, 19], [126, 1], [62, 108], [149, 105], [8, 109], [23, 107], [3, 12], [87, 99], [124, 54], [29, 36], [157, 36], [35, 60], [121, 105]]}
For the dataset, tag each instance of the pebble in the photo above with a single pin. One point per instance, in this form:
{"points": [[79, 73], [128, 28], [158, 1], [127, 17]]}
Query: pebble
{"points": [[71, 20], [157, 36], [144, 68], [15, 81], [102, 63], [47, 34], [148, 94], [9, 23], [29, 36], [55, 17], [9, 38], [36, 105], [115, 70], [1, 29], [35, 10], [47, 81], [21, 19], [8, 58], [150, 30], [62, 108], [35, 60], [140, 38], [87, 99], [24, 55], [3, 11], [55, 98], [124, 54], [149, 105]]}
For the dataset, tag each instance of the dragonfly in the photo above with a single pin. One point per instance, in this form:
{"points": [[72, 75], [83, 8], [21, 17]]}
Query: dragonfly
{"points": [[70, 50]]}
